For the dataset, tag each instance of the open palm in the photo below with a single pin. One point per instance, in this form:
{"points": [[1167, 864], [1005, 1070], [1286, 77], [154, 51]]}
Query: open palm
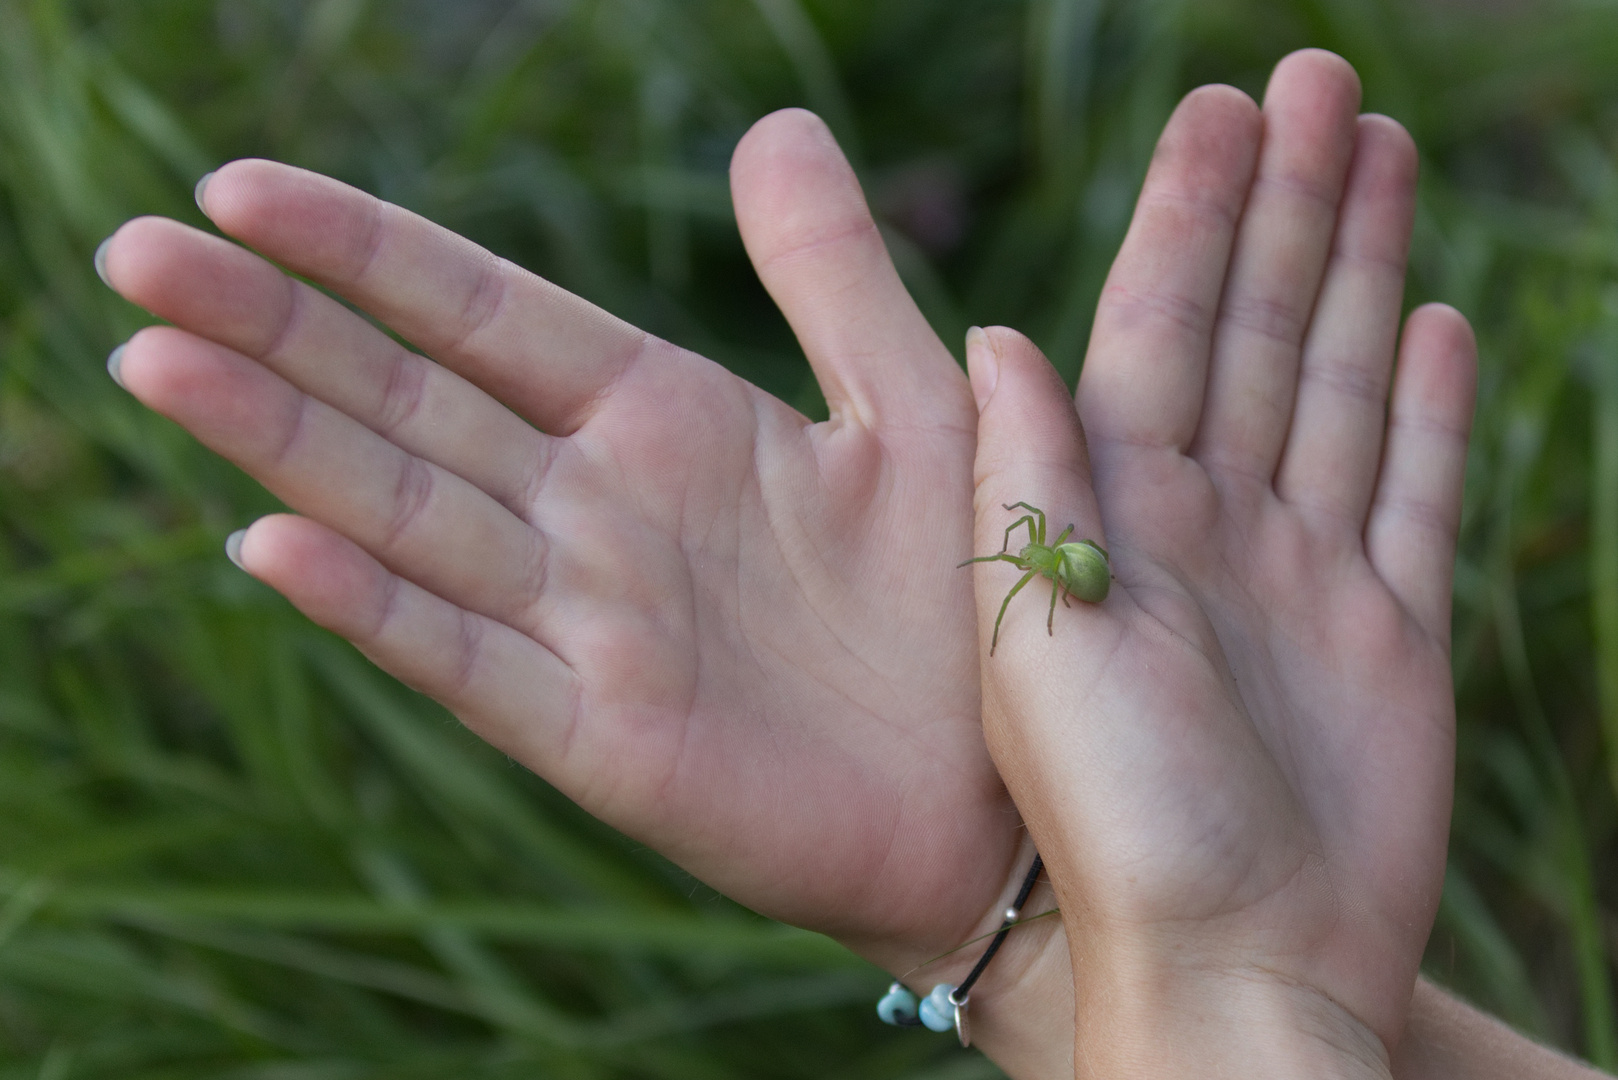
{"points": [[1249, 745], [732, 633]]}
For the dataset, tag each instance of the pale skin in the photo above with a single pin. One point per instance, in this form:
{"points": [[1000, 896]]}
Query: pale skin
{"points": [[468, 524]]}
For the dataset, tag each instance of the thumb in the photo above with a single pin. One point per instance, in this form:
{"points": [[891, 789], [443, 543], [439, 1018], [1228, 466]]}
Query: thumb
{"points": [[810, 235], [1031, 457]]}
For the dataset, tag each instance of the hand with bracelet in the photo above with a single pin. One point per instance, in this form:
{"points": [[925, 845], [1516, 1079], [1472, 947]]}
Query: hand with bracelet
{"points": [[667, 593]]}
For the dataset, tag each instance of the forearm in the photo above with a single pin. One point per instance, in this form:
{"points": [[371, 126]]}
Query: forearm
{"points": [[1449, 1040], [1047, 1012], [1025, 1027], [1159, 1013]]}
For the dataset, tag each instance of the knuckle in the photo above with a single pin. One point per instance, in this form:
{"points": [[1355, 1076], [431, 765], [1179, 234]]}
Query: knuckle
{"points": [[403, 392], [296, 426], [1345, 378], [1130, 308], [1267, 317], [412, 492], [483, 303]]}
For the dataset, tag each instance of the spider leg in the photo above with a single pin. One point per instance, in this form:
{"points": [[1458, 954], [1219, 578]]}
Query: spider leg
{"points": [[1001, 557], [1013, 525], [1050, 620], [1067, 532], [1015, 589], [1039, 537]]}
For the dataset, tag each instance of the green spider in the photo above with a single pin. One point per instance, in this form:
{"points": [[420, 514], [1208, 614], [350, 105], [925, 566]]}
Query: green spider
{"points": [[1078, 569]]}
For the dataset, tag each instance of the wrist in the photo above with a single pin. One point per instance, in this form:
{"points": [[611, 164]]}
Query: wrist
{"points": [[1020, 1010], [1022, 1013], [1144, 1012]]}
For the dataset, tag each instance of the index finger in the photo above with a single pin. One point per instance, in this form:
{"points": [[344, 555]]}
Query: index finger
{"points": [[1145, 372], [546, 353]]}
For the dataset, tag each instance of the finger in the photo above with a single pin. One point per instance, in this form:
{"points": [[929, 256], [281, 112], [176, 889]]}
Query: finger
{"points": [[1416, 512], [1276, 269], [225, 293], [422, 522], [810, 235], [545, 352], [502, 684], [1143, 378], [1335, 445], [1030, 450]]}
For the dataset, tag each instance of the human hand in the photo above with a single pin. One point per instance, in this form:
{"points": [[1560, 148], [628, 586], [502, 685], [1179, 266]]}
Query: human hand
{"points": [[1238, 766], [735, 635]]}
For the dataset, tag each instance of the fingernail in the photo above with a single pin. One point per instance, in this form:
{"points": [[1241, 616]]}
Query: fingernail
{"points": [[115, 365], [202, 186], [233, 548], [982, 365], [101, 262]]}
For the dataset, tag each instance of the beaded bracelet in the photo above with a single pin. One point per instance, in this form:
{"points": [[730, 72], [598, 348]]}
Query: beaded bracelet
{"points": [[945, 1007]]}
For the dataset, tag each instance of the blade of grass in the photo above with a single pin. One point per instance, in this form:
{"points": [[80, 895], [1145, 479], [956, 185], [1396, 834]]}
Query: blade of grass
{"points": [[605, 931], [1604, 532]]}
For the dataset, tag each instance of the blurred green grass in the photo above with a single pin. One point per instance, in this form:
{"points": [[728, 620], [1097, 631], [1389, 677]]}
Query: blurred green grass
{"points": [[232, 849]]}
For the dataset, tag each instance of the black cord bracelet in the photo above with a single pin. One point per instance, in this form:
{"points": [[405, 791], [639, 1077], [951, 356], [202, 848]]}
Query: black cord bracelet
{"points": [[945, 1007]]}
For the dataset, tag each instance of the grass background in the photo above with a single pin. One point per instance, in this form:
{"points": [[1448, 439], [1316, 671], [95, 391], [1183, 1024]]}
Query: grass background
{"points": [[229, 848]]}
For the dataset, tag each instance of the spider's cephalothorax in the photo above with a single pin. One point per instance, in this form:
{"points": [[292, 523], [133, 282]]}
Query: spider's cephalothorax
{"points": [[1078, 568]]}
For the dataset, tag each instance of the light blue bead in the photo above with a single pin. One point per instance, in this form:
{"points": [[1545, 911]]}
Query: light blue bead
{"points": [[898, 1006], [937, 1011]]}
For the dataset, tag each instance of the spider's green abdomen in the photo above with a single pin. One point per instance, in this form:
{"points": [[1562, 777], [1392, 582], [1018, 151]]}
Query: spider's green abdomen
{"points": [[1079, 567], [1083, 570]]}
